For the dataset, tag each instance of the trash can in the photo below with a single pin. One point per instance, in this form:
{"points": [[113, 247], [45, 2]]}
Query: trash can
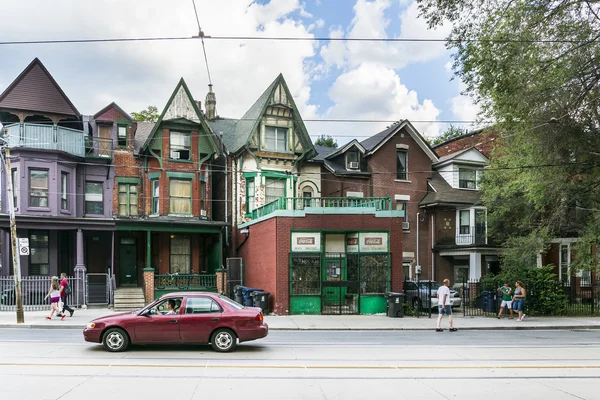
{"points": [[261, 299], [247, 295], [395, 304], [239, 298], [488, 299]]}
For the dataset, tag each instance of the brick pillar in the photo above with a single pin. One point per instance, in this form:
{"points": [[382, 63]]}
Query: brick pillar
{"points": [[221, 281], [148, 284]]}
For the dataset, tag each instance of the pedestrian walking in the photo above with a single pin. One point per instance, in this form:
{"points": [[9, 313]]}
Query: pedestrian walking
{"points": [[506, 299], [65, 291], [519, 300], [444, 307], [54, 294]]}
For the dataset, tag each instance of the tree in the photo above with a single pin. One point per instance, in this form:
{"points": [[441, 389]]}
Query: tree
{"points": [[450, 133], [326, 141], [533, 66], [150, 114]]}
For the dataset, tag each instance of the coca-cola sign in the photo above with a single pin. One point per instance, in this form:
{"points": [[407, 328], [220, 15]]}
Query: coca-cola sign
{"points": [[304, 240], [373, 241]]}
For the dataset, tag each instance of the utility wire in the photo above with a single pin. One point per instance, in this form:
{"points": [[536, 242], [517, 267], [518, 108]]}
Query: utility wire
{"points": [[201, 35]]}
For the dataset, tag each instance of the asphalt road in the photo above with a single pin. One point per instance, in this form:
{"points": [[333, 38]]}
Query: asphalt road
{"points": [[58, 364]]}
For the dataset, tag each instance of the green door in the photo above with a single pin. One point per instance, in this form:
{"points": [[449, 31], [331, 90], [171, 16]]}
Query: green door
{"points": [[333, 290], [128, 262]]}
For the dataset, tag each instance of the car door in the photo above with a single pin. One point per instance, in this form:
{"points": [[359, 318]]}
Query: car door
{"points": [[163, 329], [200, 316]]}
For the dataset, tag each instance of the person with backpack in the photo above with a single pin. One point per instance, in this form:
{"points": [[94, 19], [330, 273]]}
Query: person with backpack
{"points": [[65, 291]]}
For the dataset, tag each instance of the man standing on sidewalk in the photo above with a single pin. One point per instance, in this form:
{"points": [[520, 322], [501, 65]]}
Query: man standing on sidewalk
{"points": [[65, 291], [506, 300], [444, 307]]}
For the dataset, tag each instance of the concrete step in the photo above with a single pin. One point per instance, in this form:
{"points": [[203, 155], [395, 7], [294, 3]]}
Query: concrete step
{"points": [[129, 299]]}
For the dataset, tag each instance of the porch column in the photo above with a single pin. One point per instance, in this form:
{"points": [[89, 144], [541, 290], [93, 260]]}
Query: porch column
{"points": [[221, 276], [80, 270], [475, 266], [148, 271], [148, 249]]}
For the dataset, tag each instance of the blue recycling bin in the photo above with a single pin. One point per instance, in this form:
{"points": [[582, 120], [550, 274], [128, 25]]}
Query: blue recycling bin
{"points": [[247, 295]]}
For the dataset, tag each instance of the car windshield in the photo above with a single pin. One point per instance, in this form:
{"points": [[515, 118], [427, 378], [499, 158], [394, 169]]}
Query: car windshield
{"points": [[232, 303]]}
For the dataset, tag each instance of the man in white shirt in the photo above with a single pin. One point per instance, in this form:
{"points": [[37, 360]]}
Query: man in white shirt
{"points": [[444, 307]]}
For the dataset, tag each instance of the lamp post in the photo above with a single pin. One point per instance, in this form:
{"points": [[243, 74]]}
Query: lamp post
{"points": [[13, 230]]}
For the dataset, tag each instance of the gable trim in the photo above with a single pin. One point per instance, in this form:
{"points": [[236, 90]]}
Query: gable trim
{"points": [[346, 147], [414, 134], [116, 106]]}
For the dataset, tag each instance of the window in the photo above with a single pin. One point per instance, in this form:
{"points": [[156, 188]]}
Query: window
{"points": [[274, 189], [202, 195], [201, 305], [401, 165], [276, 139], [564, 262], [461, 274], [179, 145], [38, 188], [128, 199], [307, 194], [64, 184], [15, 183], [465, 222], [38, 258], [402, 206], [180, 255], [467, 178], [122, 136], [250, 193], [180, 201], [352, 160], [94, 198], [155, 197], [406, 272]]}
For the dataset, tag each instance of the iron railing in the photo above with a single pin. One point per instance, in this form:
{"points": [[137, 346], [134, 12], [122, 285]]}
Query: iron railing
{"points": [[462, 236], [185, 282], [97, 289], [303, 203], [33, 291], [98, 147]]}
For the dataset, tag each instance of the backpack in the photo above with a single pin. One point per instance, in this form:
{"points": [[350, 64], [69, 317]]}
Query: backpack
{"points": [[68, 289]]}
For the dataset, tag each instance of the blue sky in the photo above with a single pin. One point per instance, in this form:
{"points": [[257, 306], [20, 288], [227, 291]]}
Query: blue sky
{"points": [[334, 80]]}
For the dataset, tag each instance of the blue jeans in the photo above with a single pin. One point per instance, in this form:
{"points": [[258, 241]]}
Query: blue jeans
{"points": [[444, 309], [518, 304]]}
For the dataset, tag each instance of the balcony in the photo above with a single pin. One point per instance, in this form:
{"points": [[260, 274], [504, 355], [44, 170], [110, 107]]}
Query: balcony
{"points": [[49, 137], [463, 236], [332, 203]]}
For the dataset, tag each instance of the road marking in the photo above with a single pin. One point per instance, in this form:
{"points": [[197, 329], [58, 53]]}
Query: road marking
{"points": [[365, 367]]}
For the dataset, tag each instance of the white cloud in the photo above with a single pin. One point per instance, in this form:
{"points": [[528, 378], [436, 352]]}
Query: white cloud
{"points": [[142, 73], [463, 107], [375, 92]]}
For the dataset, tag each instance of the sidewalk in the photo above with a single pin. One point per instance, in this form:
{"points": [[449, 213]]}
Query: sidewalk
{"points": [[36, 319]]}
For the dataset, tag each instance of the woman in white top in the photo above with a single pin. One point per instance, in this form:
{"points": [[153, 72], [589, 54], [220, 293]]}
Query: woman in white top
{"points": [[54, 294]]}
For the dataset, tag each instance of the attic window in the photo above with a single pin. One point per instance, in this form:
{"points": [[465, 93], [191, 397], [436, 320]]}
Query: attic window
{"points": [[121, 136], [467, 178], [276, 139], [352, 160], [179, 145]]}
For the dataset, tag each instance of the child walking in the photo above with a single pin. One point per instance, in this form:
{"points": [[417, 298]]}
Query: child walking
{"points": [[54, 294]]}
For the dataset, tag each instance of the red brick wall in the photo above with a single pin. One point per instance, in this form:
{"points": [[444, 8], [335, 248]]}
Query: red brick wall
{"points": [[334, 186], [266, 252], [110, 115]]}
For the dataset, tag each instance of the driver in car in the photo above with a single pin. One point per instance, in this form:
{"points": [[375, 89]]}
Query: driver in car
{"points": [[170, 308]]}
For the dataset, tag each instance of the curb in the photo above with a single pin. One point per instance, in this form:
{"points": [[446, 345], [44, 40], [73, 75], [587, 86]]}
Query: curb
{"points": [[476, 328]]}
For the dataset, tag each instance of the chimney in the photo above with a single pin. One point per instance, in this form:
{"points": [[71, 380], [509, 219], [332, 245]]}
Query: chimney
{"points": [[210, 103], [199, 104]]}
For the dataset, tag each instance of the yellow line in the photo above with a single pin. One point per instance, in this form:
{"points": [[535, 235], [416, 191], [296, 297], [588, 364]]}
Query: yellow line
{"points": [[366, 367]]}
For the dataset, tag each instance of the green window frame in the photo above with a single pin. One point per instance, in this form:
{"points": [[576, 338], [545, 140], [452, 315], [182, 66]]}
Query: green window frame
{"points": [[122, 139], [250, 194], [180, 255], [275, 188], [128, 200]]}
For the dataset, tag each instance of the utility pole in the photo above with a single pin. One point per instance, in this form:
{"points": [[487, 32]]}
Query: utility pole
{"points": [[13, 232]]}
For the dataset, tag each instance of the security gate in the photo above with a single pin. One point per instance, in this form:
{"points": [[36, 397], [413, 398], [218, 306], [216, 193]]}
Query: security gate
{"points": [[340, 287], [97, 289]]}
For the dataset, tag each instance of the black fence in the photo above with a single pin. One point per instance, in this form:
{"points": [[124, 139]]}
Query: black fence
{"points": [[571, 297]]}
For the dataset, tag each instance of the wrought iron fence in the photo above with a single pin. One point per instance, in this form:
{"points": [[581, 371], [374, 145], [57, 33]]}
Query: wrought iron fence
{"points": [[184, 282], [97, 290], [33, 291]]}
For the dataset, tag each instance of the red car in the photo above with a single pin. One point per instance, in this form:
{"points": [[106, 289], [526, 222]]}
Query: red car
{"points": [[181, 318]]}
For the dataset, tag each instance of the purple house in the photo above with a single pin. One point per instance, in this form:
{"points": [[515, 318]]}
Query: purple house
{"points": [[62, 175]]}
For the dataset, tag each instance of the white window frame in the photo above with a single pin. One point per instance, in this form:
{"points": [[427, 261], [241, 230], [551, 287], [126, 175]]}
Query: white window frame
{"points": [[155, 195], [279, 130], [178, 148], [477, 174]]}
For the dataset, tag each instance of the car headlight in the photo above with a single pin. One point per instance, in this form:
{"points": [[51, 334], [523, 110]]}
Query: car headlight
{"points": [[91, 325]]}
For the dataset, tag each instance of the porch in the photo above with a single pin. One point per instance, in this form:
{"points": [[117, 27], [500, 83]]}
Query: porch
{"points": [[329, 205]]}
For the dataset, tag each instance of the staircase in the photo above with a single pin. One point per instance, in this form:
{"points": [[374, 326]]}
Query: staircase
{"points": [[129, 299]]}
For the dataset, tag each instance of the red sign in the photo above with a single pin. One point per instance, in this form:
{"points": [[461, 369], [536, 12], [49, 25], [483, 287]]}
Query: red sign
{"points": [[373, 241]]}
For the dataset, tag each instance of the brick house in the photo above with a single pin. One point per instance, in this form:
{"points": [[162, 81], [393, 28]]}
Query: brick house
{"points": [[315, 254]]}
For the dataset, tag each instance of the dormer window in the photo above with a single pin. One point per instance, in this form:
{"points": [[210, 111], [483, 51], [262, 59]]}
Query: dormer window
{"points": [[121, 136], [276, 139], [179, 146], [352, 160], [467, 178]]}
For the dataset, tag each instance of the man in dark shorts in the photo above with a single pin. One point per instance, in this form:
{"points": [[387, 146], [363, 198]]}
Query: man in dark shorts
{"points": [[444, 307], [64, 283]]}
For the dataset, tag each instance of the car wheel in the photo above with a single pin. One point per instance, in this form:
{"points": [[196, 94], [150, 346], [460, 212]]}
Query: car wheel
{"points": [[223, 340], [416, 303], [115, 340]]}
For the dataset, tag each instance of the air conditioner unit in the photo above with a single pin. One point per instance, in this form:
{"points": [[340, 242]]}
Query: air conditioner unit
{"points": [[174, 155], [406, 226], [203, 213], [354, 164]]}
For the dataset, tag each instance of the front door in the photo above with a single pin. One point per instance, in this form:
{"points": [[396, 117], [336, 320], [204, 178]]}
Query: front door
{"points": [[333, 289], [128, 262]]}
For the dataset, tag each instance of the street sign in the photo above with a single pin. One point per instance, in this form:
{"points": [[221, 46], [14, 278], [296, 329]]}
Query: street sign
{"points": [[24, 246]]}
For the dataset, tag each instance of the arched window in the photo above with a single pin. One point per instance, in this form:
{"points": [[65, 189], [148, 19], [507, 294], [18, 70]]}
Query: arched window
{"points": [[307, 195]]}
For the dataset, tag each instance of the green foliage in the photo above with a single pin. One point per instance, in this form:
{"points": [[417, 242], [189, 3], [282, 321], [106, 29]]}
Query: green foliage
{"points": [[450, 133], [534, 67], [544, 293], [326, 141], [150, 114]]}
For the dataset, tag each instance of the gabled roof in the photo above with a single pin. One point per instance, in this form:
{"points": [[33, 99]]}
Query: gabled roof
{"points": [[323, 152], [346, 147], [238, 133], [142, 134], [116, 107], [36, 90], [445, 194], [459, 156], [185, 109], [375, 142]]}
